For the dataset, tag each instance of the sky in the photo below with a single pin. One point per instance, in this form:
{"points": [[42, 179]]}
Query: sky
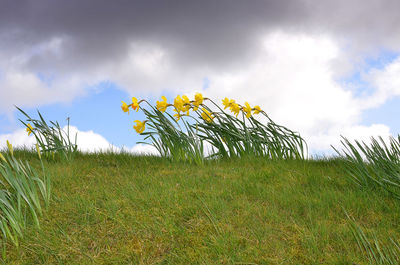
{"points": [[325, 69]]}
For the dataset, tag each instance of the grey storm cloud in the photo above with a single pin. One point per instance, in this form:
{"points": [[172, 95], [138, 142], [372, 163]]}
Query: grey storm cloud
{"points": [[195, 31], [212, 33]]}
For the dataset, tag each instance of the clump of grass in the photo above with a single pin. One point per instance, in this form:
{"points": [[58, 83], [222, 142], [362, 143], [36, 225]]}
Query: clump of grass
{"points": [[374, 165], [235, 137], [170, 140], [51, 138], [182, 136], [22, 193]]}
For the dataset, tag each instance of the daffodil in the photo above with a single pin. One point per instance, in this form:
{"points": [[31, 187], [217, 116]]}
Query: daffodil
{"points": [[162, 105], [10, 148], [198, 100], [228, 103], [257, 109], [247, 109], [206, 115], [29, 128], [140, 126], [125, 107], [178, 103], [234, 107], [135, 104], [225, 102], [186, 104]]}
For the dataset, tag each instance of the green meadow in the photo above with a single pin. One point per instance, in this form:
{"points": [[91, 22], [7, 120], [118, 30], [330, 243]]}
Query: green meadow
{"points": [[257, 198], [109, 208]]}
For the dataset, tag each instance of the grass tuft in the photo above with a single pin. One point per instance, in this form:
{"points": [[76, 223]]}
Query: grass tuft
{"points": [[374, 166], [51, 139], [22, 193]]}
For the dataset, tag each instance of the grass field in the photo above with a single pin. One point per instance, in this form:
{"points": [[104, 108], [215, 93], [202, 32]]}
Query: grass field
{"points": [[124, 209]]}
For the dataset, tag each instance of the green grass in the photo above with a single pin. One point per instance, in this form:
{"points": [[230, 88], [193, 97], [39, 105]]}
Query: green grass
{"points": [[124, 209], [24, 195], [374, 165]]}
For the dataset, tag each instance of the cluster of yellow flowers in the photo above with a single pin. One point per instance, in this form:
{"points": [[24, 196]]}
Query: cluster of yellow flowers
{"points": [[140, 126], [235, 108], [183, 105], [134, 105]]}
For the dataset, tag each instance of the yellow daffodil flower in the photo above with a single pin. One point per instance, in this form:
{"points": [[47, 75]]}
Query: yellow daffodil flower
{"points": [[225, 102], [228, 103], [29, 128], [125, 107], [135, 104], [257, 109], [178, 103], [10, 148], [139, 127], [186, 104], [162, 105], [206, 115], [198, 100], [247, 109], [234, 107]]}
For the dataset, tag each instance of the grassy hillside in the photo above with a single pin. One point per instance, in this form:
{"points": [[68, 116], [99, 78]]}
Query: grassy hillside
{"points": [[123, 209]]}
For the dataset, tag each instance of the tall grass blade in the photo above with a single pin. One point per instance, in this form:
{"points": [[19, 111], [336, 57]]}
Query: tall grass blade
{"points": [[52, 139]]}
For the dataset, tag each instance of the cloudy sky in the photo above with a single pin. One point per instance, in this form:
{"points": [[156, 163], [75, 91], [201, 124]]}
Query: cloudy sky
{"points": [[322, 68]]}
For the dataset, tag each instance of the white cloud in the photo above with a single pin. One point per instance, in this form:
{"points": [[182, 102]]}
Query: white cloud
{"points": [[19, 138], [143, 149], [387, 84], [324, 141], [26, 89], [89, 141]]}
